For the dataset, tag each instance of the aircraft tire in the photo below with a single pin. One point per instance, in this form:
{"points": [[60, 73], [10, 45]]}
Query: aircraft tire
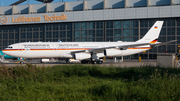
{"points": [[85, 61], [93, 62], [21, 62], [100, 62]]}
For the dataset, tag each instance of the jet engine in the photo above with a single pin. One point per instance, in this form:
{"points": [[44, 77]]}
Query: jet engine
{"points": [[112, 52], [82, 56]]}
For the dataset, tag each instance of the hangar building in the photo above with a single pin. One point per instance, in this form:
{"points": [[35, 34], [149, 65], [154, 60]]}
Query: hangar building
{"points": [[92, 20]]}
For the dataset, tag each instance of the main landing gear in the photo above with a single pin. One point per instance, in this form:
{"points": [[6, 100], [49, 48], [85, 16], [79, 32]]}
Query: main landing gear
{"points": [[88, 61]]}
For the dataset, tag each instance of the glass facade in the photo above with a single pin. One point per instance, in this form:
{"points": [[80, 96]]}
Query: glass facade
{"points": [[97, 31]]}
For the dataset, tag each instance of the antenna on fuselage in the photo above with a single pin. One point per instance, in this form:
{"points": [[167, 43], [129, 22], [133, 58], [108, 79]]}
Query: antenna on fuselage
{"points": [[59, 40]]}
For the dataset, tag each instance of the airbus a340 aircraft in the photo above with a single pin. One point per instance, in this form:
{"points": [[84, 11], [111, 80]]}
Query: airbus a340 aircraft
{"points": [[82, 51]]}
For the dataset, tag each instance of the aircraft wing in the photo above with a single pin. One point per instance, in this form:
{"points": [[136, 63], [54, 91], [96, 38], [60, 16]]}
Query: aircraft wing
{"points": [[97, 50]]}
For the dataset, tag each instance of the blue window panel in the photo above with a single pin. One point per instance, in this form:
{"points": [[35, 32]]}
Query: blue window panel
{"points": [[126, 32], [117, 24], [83, 33], [48, 28], [109, 24], [76, 33], [91, 25], [144, 23], [133, 39], [48, 34], [99, 39], [134, 32], [84, 25], [83, 39], [170, 31], [55, 27], [11, 42], [36, 35], [170, 22], [126, 39], [62, 26], [162, 49], [126, 24], [143, 31], [109, 39], [0, 37], [162, 39], [29, 35], [170, 48], [11, 35], [109, 32], [178, 31], [62, 34], [23, 36], [169, 38], [91, 33], [99, 33], [178, 22], [99, 25], [117, 32], [134, 23], [91, 39], [76, 25], [77, 39], [163, 31], [55, 34], [117, 39]]}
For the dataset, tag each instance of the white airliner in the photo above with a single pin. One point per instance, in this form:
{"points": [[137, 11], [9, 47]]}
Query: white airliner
{"points": [[83, 51]]}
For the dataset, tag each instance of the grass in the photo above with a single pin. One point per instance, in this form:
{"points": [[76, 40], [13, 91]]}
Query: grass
{"points": [[86, 83]]}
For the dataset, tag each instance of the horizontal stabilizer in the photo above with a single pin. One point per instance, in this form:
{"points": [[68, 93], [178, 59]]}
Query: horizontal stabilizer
{"points": [[163, 43]]}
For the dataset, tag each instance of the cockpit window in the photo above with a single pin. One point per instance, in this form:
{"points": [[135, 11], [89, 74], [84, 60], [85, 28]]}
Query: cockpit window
{"points": [[10, 47]]}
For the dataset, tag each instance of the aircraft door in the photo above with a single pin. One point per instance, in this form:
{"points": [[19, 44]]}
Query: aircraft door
{"points": [[26, 49], [20, 47], [55, 46]]}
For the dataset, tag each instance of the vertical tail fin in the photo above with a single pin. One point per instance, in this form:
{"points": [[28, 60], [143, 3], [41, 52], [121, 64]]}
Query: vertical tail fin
{"points": [[153, 34]]}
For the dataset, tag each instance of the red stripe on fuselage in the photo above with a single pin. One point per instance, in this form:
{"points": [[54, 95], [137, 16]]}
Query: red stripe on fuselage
{"points": [[67, 49], [47, 49]]}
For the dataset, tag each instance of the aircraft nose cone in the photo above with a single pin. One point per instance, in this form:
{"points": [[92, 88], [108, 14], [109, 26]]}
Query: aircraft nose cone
{"points": [[3, 51]]}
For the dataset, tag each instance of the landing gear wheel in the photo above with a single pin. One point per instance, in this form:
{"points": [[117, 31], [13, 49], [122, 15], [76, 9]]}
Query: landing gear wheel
{"points": [[93, 62], [85, 61], [67, 61], [100, 62], [21, 62]]}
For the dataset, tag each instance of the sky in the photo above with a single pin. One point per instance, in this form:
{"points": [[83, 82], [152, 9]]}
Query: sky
{"points": [[9, 2]]}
